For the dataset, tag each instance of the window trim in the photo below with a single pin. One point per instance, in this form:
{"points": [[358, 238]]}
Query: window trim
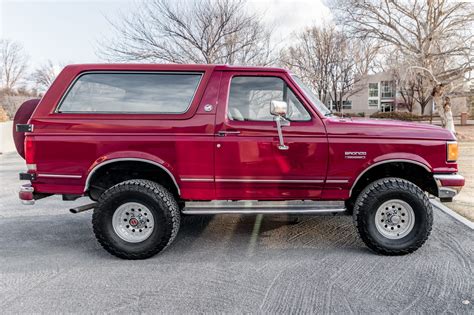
{"points": [[73, 83], [265, 121]]}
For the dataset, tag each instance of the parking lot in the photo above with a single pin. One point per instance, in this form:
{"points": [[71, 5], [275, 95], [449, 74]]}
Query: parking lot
{"points": [[51, 262]]}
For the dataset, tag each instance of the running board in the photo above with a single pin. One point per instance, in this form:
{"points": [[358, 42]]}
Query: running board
{"points": [[263, 207]]}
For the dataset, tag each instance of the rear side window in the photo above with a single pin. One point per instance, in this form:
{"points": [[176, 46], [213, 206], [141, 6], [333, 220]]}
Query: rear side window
{"points": [[157, 93]]}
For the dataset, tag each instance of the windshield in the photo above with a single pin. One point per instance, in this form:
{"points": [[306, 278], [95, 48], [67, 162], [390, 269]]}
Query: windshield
{"points": [[312, 97]]}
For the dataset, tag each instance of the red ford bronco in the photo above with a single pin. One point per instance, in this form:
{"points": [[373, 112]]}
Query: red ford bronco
{"points": [[150, 143]]}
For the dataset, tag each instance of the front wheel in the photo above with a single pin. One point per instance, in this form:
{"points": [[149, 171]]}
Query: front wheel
{"points": [[393, 216], [136, 219]]}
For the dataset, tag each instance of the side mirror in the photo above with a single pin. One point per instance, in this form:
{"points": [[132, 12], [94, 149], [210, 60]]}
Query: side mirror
{"points": [[278, 108]]}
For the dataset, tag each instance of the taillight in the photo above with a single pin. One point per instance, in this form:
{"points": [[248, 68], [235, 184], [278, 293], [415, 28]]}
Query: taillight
{"points": [[29, 150]]}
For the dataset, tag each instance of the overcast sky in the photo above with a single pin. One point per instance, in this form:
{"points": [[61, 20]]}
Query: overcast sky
{"points": [[68, 31]]}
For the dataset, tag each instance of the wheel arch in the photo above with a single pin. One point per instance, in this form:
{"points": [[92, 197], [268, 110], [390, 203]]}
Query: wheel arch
{"points": [[95, 169], [386, 168]]}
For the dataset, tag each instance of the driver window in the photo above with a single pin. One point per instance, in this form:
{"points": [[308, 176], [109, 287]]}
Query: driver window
{"points": [[250, 97]]}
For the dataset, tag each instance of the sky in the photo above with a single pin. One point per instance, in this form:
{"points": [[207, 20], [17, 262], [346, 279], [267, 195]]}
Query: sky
{"points": [[70, 31]]}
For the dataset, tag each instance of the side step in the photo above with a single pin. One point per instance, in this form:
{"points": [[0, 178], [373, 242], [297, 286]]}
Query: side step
{"points": [[264, 207]]}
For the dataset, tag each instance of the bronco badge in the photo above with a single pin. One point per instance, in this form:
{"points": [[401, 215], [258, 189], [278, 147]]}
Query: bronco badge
{"points": [[355, 155]]}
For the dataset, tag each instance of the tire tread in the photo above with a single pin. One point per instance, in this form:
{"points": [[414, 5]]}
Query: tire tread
{"points": [[160, 194], [374, 189]]}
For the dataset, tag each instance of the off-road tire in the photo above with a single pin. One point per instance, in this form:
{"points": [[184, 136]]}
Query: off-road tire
{"points": [[380, 191], [158, 200]]}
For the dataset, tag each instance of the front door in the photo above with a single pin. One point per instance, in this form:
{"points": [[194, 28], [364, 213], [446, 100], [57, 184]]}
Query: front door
{"points": [[248, 161]]}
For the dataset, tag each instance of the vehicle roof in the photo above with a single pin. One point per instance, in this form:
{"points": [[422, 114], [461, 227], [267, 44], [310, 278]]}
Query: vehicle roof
{"points": [[168, 67]]}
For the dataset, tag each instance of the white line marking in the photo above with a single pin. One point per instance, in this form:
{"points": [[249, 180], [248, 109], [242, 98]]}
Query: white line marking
{"points": [[197, 179], [238, 180], [337, 181], [453, 214], [59, 176]]}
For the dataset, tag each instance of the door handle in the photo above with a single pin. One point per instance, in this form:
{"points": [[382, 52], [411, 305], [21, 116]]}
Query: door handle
{"points": [[223, 133]]}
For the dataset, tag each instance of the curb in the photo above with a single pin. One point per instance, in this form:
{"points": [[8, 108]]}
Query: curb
{"points": [[453, 214]]}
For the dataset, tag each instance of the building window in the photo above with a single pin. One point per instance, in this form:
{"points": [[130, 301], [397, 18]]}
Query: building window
{"points": [[331, 105], [373, 103], [373, 90], [387, 89], [347, 105]]}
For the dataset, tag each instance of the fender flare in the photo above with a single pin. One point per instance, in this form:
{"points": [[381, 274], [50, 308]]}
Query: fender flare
{"points": [[125, 159], [426, 167]]}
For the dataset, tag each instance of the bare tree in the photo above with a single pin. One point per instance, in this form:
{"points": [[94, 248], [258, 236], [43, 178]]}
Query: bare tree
{"points": [[204, 31], [413, 87], [435, 36], [422, 87], [310, 58], [329, 62], [44, 75], [13, 63], [407, 93], [352, 62]]}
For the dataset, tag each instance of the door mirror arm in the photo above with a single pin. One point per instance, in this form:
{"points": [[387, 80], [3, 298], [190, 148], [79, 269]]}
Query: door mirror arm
{"points": [[280, 122], [279, 109]]}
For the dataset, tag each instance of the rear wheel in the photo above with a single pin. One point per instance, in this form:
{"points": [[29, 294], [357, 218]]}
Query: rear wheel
{"points": [[393, 216], [136, 219]]}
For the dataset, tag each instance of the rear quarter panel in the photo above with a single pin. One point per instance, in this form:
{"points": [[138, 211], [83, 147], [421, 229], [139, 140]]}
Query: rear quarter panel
{"points": [[73, 144]]}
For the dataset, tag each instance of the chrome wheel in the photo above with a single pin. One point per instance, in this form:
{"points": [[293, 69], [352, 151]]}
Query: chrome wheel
{"points": [[133, 222], [395, 219]]}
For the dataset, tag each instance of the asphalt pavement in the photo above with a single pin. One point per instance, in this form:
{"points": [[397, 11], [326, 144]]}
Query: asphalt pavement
{"points": [[51, 262]]}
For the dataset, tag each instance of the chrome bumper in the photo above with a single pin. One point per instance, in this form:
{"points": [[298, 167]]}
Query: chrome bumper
{"points": [[449, 185]]}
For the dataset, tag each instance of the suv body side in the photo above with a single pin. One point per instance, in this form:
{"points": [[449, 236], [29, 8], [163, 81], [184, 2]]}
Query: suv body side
{"points": [[145, 142], [326, 157]]}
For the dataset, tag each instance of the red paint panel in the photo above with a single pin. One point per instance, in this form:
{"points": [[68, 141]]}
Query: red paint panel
{"points": [[382, 141], [75, 143], [249, 165]]}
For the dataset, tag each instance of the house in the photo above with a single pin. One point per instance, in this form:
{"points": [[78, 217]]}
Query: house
{"points": [[378, 93], [374, 93]]}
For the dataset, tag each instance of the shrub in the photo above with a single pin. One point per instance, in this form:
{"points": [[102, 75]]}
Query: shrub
{"points": [[11, 103], [3, 114], [339, 114], [397, 115]]}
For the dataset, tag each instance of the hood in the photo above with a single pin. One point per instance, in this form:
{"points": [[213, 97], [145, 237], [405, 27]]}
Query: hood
{"points": [[386, 128]]}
